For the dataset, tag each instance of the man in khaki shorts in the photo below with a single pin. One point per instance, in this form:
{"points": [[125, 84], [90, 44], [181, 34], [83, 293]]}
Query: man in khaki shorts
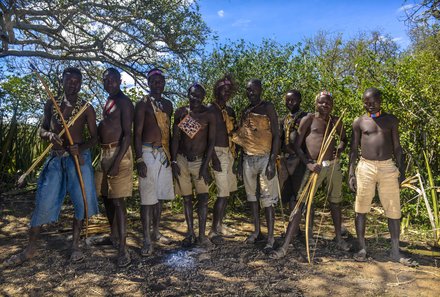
{"points": [[258, 136], [151, 143], [114, 174], [311, 134], [191, 150], [223, 156], [377, 134]]}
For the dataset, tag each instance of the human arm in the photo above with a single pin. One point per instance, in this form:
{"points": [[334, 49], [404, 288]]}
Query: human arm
{"points": [[353, 155], [127, 112], [139, 118], [45, 132], [203, 173], [397, 149], [303, 129], [342, 140], [273, 117], [175, 144]]}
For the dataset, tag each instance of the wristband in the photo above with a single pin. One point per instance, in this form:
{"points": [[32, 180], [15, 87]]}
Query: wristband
{"points": [[139, 160]]}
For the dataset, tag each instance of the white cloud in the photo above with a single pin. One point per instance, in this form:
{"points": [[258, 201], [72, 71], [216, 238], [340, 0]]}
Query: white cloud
{"points": [[397, 39], [406, 7], [221, 13], [241, 23]]}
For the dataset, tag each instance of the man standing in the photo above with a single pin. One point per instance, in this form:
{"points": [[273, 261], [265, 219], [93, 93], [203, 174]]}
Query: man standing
{"points": [[224, 152], [377, 134], [114, 175], [292, 169], [59, 176], [151, 141], [312, 132], [258, 137], [191, 150]]}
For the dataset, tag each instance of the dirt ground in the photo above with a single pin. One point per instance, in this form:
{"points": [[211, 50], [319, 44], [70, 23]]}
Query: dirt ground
{"points": [[230, 269]]}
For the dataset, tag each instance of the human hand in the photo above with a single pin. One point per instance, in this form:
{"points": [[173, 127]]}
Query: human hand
{"points": [[216, 165], [203, 173], [314, 167], [352, 183], [54, 138], [141, 169], [114, 170], [270, 169], [175, 169]]}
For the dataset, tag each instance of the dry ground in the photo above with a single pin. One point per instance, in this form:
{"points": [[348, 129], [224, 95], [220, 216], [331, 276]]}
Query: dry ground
{"points": [[231, 269]]}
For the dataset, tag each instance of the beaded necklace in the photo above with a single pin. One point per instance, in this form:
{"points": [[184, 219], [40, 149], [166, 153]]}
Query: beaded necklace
{"points": [[75, 110]]}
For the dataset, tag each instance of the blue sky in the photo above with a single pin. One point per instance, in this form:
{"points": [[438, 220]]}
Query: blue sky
{"points": [[292, 21]]}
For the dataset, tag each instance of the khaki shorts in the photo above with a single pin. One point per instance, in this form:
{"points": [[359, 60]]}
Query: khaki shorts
{"points": [[225, 180], [189, 173], [333, 178], [158, 183], [119, 186], [386, 175], [254, 166]]}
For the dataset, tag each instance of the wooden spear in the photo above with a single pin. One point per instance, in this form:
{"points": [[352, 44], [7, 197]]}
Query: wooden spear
{"points": [[69, 138]]}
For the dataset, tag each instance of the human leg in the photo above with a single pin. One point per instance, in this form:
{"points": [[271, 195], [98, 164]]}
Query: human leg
{"points": [[146, 214], [121, 219], [189, 218]]}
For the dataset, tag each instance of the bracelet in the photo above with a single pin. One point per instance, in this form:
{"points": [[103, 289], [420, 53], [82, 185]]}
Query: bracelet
{"points": [[173, 162], [139, 160]]}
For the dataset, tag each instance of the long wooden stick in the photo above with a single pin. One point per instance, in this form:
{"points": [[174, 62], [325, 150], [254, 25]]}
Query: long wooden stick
{"points": [[69, 138], [44, 153]]}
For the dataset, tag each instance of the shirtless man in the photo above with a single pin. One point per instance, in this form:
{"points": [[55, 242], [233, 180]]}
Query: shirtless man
{"points": [[311, 132], [224, 152], [191, 150], [292, 169], [151, 141], [59, 176], [377, 134], [258, 136], [114, 174]]}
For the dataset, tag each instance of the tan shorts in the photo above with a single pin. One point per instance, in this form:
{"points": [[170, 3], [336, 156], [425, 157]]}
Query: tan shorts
{"points": [[189, 173], [158, 183], [119, 186], [386, 175], [225, 180], [254, 166], [332, 175]]}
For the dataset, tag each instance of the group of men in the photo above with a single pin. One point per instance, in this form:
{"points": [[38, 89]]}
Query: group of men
{"points": [[209, 136]]}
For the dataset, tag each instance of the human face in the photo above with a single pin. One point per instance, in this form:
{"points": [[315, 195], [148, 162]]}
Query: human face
{"points": [[253, 92], [225, 93], [71, 84], [156, 82], [292, 102], [372, 103], [112, 83], [324, 105], [196, 96]]}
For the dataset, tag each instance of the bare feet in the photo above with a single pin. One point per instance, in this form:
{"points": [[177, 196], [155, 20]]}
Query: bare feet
{"points": [[254, 237], [269, 245], [397, 257], [147, 249], [360, 256], [76, 256], [189, 240], [159, 237], [278, 254], [124, 259], [204, 242], [16, 260], [343, 245]]}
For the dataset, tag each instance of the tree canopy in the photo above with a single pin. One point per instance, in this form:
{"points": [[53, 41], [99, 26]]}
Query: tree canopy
{"points": [[130, 34]]}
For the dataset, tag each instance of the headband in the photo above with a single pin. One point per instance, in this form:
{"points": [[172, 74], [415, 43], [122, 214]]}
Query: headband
{"points": [[325, 93], [224, 82], [153, 72], [196, 84]]}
